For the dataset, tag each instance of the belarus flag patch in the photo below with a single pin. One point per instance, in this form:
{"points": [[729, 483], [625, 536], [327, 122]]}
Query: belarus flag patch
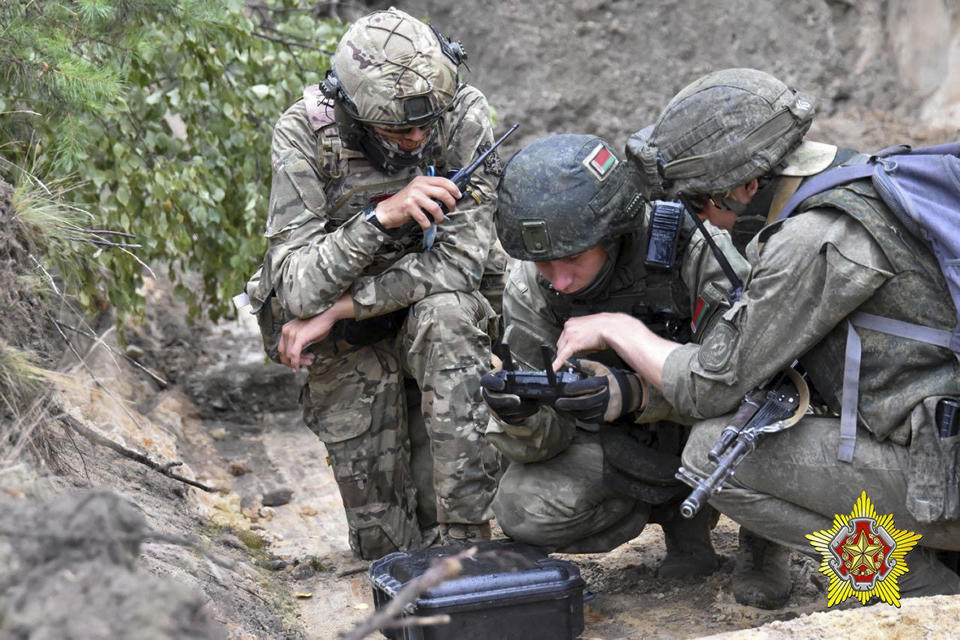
{"points": [[601, 162]]}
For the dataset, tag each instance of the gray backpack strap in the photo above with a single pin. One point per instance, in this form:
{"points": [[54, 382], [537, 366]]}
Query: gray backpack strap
{"points": [[848, 401], [851, 366], [822, 182], [908, 330]]}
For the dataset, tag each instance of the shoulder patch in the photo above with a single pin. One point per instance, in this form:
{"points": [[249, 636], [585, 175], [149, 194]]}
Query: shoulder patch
{"points": [[601, 161], [718, 347], [492, 163]]}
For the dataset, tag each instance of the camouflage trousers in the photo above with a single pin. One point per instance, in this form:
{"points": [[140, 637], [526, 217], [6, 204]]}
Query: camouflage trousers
{"points": [[793, 483], [561, 503], [408, 402]]}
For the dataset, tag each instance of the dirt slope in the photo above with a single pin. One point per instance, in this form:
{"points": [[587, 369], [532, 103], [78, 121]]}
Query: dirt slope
{"points": [[609, 66]]}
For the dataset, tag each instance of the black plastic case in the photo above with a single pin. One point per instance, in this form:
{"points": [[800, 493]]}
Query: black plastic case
{"points": [[509, 591]]}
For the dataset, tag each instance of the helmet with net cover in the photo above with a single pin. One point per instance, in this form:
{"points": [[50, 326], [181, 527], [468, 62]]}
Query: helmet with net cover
{"points": [[391, 71], [562, 195], [721, 131]]}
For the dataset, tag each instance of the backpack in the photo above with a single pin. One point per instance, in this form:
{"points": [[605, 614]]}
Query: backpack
{"points": [[922, 189]]}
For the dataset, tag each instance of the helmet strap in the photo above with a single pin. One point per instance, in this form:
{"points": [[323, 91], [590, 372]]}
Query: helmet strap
{"points": [[723, 202]]}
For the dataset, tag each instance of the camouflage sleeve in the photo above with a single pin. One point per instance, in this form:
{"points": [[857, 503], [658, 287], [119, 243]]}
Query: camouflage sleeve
{"points": [[307, 266], [528, 323], [658, 409], [463, 240], [813, 271]]}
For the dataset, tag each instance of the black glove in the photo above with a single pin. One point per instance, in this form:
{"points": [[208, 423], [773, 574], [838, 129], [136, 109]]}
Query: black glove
{"points": [[506, 406], [608, 394]]}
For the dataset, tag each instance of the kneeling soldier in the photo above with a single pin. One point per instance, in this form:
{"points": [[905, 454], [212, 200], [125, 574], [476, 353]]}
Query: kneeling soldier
{"points": [[571, 211]]}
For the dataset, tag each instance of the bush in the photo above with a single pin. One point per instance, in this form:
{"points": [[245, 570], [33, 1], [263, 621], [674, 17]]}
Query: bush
{"points": [[162, 110]]}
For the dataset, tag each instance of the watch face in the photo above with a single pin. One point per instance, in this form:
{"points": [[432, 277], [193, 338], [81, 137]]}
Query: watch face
{"points": [[370, 215]]}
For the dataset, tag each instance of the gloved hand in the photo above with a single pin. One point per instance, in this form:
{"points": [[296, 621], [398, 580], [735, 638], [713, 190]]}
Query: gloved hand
{"points": [[506, 406], [606, 395]]}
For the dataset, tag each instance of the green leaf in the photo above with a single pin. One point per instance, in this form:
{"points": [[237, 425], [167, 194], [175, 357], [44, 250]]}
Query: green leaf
{"points": [[260, 91], [123, 195]]}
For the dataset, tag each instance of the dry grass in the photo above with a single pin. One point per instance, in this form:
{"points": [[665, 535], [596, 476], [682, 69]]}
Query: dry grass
{"points": [[25, 388], [39, 257]]}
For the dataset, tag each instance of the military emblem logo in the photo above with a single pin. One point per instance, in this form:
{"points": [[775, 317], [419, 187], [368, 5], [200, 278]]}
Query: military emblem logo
{"points": [[601, 162], [863, 555]]}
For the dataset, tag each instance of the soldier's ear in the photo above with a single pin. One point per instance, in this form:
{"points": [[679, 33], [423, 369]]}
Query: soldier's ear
{"points": [[744, 193]]}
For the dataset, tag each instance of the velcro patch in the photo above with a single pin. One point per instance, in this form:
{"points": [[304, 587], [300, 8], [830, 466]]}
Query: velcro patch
{"points": [[716, 350], [492, 163], [601, 162], [696, 315]]}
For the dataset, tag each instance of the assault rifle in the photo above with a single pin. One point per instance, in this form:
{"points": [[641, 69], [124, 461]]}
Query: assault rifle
{"points": [[460, 177], [775, 406], [542, 386]]}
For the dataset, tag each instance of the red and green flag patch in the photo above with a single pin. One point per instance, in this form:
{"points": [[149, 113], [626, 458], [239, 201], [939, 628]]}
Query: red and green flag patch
{"points": [[601, 161]]}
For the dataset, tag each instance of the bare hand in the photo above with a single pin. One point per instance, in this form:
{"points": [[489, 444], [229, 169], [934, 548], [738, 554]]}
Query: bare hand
{"points": [[298, 334], [417, 202], [641, 349], [591, 333]]}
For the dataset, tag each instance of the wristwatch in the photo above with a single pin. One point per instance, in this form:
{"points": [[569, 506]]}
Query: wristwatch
{"points": [[370, 215]]}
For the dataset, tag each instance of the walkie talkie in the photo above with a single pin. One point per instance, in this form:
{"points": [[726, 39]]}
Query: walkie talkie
{"points": [[665, 222]]}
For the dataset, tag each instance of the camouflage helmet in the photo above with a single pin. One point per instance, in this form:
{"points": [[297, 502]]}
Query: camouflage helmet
{"points": [[562, 195], [721, 131], [392, 70]]}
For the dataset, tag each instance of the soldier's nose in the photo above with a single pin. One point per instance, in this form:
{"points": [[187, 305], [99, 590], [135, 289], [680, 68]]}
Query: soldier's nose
{"points": [[563, 281], [414, 138]]}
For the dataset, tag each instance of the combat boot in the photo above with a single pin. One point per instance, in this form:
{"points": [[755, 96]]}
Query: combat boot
{"points": [[761, 574], [689, 550], [927, 575], [460, 533]]}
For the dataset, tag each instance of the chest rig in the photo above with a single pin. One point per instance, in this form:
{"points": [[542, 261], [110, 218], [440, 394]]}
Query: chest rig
{"points": [[351, 182], [657, 297]]}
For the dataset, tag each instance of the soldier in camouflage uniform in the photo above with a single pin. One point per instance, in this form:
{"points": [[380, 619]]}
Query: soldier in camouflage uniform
{"points": [[384, 307], [571, 210], [814, 275]]}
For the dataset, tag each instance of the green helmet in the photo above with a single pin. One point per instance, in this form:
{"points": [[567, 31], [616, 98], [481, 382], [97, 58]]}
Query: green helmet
{"points": [[391, 70], [721, 131], [562, 195]]}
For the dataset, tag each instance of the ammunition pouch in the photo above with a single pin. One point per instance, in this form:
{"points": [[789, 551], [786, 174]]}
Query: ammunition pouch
{"points": [[933, 483], [641, 461]]}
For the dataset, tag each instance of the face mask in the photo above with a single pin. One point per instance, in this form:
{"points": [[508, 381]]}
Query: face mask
{"points": [[388, 156]]}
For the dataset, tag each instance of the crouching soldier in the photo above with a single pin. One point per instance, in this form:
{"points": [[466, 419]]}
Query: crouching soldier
{"points": [[571, 211], [388, 304], [852, 290]]}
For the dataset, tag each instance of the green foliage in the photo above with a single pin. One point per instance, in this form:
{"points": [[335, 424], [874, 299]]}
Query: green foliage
{"points": [[164, 110]]}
